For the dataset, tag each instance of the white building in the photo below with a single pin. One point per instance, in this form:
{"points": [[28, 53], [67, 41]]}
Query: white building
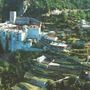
{"points": [[85, 24]]}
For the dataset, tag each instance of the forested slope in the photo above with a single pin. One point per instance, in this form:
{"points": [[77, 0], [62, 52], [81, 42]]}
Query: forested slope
{"points": [[21, 6]]}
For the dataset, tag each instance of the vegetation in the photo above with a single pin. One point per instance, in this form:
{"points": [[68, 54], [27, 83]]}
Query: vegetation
{"points": [[27, 7], [19, 68]]}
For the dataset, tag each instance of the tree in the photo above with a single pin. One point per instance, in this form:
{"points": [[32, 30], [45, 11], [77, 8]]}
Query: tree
{"points": [[1, 7], [60, 85], [87, 86], [50, 85], [18, 66]]}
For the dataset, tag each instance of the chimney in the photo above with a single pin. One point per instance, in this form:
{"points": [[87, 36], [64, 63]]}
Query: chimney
{"points": [[13, 16]]}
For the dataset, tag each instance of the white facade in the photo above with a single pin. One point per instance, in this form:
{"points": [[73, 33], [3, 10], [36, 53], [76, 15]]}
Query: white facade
{"points": [[13, 16]]}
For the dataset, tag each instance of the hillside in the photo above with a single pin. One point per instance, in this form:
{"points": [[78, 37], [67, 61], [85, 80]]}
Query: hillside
{"points": [[47, 46], [27, 6]]}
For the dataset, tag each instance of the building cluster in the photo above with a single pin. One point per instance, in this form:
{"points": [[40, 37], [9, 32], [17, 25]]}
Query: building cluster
{"points": [[20, 34], [85, 24], [14, 37]]}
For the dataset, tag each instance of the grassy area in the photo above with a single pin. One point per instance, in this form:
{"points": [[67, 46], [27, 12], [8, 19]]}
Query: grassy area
{"points": [[26, 86], [40, 78]]}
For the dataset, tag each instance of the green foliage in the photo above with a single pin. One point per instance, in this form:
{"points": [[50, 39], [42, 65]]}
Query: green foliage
{"points": [[50, 85], [24, 5], [70, 4], [87, 86], [1, 7], [4, 66], [1, 3], [71, 80]]}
